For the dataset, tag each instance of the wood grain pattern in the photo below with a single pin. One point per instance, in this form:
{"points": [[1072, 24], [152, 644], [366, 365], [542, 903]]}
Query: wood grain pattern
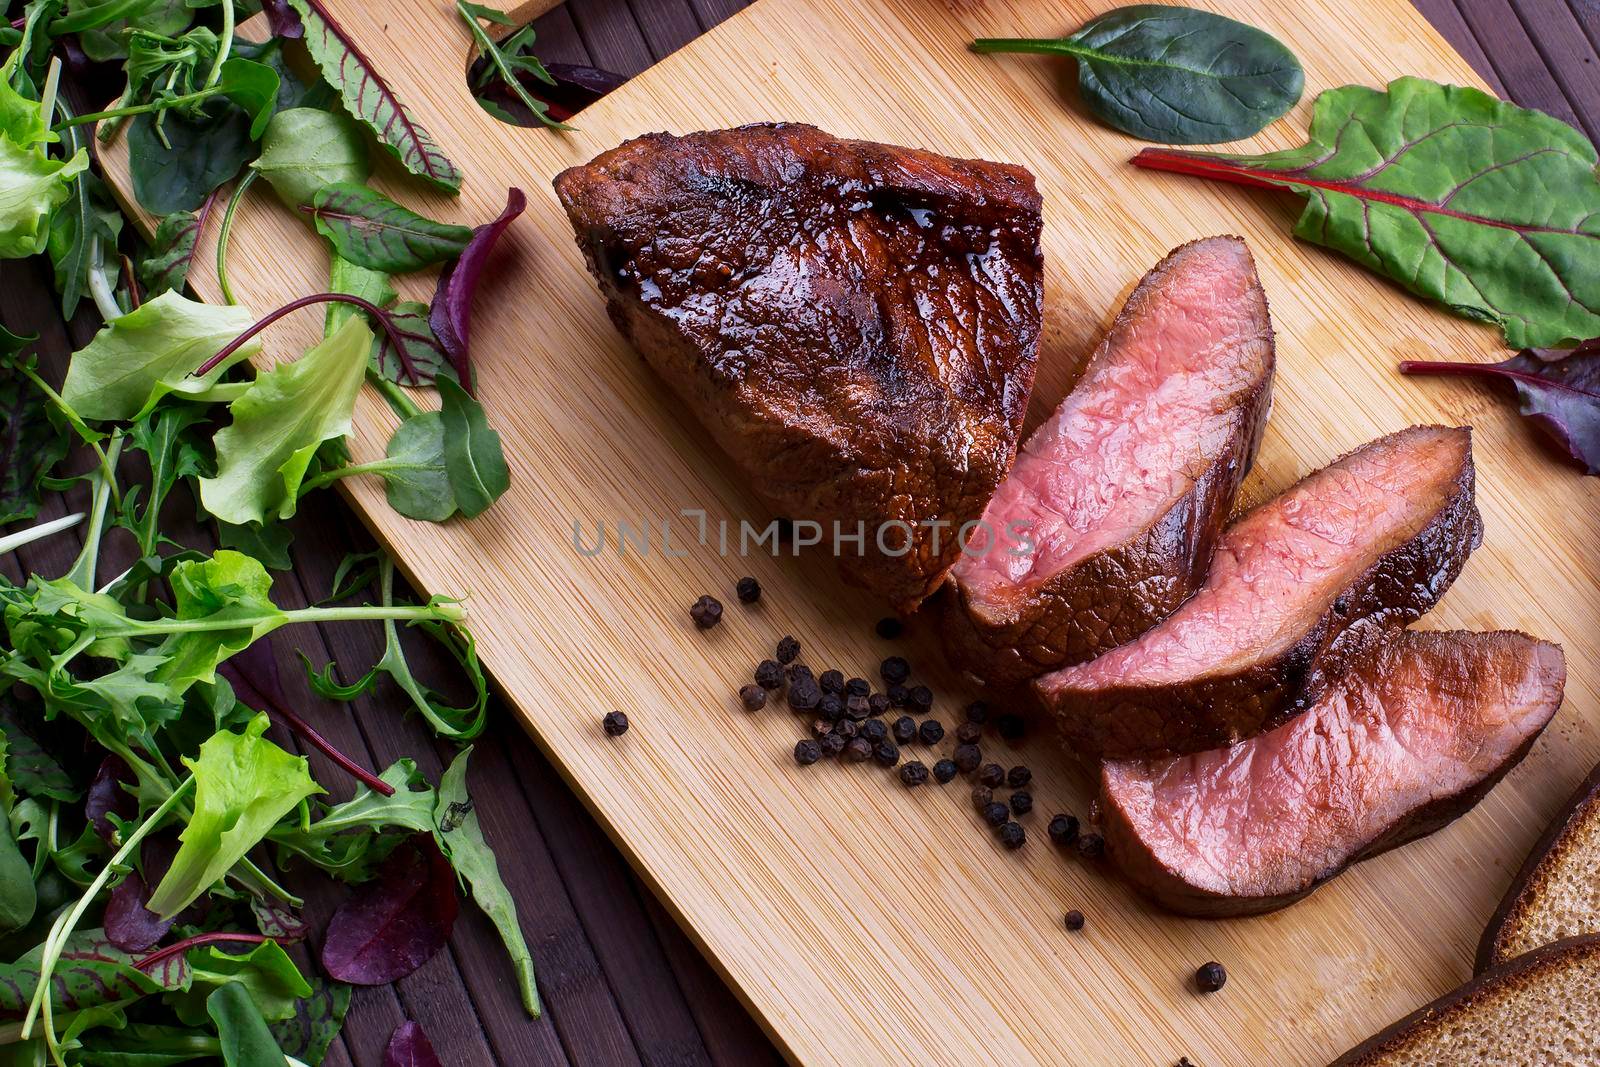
{"points": [[864, 922]]}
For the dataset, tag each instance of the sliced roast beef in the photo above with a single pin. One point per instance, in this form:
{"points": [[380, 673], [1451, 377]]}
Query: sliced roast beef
{"points": [[1299, 586], [1409, 739], [1109, 517], [855, 324]]}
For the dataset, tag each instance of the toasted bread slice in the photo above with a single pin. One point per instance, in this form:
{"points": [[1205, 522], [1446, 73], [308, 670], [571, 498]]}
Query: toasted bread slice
{"points": [[1557, 892], [1541, 1009]]}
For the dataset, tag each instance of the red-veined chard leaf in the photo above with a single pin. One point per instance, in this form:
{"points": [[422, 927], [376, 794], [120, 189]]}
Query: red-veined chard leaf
{"points": [[317, 1021], [451, 314], [422, 357], [409, 1047], [398, 921], [368, 97], [166, 266], [92, 972], [372, 231], [1559, 391], [1491, 208]]}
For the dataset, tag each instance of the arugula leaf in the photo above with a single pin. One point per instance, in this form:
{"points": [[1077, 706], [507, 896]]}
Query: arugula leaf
{"points": [[306, 148], [368, 97], [142, 356], [1490, 208], [30, 445], [278, 425], [317, 1021], [461, 840], [506, 62], [372, 231], [243, 785], [351, 837], [474, 461], [246, 1041], [165, 437]]}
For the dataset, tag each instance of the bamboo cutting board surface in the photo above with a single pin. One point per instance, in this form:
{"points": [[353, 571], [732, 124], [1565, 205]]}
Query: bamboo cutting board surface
{"points": [[863, 922]]}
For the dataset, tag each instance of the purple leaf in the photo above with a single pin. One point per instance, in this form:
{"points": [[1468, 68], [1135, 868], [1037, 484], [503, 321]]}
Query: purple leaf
{"points": [[1559, 391], [130, 925], [451, 314], [397, 922], [410, 1047], [107, 796], [282, 20]]}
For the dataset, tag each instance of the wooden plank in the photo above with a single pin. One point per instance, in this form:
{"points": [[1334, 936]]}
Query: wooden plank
{"points": [[756, 857]]}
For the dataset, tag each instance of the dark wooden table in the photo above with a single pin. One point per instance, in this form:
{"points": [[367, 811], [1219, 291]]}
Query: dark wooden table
{"points": [[621, 983]]}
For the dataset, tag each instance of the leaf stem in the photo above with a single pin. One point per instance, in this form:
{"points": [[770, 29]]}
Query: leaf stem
{"points": [[1039, 46], [177, 948], [403, 405], [225, 39], [15, 541], [226, 230], [368, 306], [164, 104]]}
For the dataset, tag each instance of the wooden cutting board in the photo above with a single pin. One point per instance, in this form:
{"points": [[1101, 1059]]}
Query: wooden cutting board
{"points": [[863, 922]]}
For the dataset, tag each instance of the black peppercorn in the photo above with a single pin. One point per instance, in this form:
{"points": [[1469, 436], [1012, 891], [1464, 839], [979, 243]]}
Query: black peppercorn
{"points": [[1064, 829], [769, 674], [920, 699], [894, 670], [787, 650], [992, 775], [1210, 977], [969, 733], [748, 589], [857, 707], [796, 671], [978, 712], [804, 694], [904, 729], [832, 744], [1074, 920], [874, 730], [831, 682], [914, 773], [887, 753], [1012, 835], [753, 697], [821, 728], [995, 813], [858, 750], [1091, 846], [830, 707], [1021, 802], [1011, 727], [877, 704], [706, 612], [616, 723], [890, 628], [967, 758], [898, 695], [944, 771], [1018, 776], [982, 797], [857, 687], [846, 729], [931, 732], [807, 751]]}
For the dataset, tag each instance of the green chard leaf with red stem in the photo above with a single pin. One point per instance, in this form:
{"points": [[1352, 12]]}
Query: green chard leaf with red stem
{"points": [[1490, 208]]}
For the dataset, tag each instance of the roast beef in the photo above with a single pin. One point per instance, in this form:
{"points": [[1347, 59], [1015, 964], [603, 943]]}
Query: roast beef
{"points": [[1298, 587], [1409, 739], [1109, 517], [855, 324]]}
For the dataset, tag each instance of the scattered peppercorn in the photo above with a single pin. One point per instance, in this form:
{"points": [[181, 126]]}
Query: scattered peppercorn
{"points": [[804, 694], [898, 695], [846, 729], [967, 758], [894, 670], [1021, 802], [748, 590], [821, 728], [887, 753], [831, 681], [769, 674], [874, 730], [978, 712], [753, 696], [992, 775], [1210, 977], [857, 707], [920, 698], [1064, 829], [904, 729], [995, 813], [1184, 1061], [1012, 835], [982, 796], [944, 771], [830, 707], [1018, 776], [1011, 727], [857, 687], [890, 628], [969, 733], [931, 732], [616, 723], [1091, 846], [787, 650], [833, 744], [877, 704], [807, 752], [706, 612], [796, 671], [914, 773], [858, 750], [1074, 919]]}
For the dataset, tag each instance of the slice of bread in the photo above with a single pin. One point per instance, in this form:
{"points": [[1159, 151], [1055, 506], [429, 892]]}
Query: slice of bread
{"points": [[1541, 1009], [1557, 892]]}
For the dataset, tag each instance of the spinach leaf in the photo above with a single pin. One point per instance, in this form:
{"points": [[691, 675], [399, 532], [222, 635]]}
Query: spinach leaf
{"points": [[135, 360], [305, 149], [1175, 75], [243, 785], [1490, 208], [316, 1022], [29, 766], [17, 896], [30, 445], [414, 471], [278, 425], [176, 167], [372, 231], [368, 97], [101, 27], [246, 1041], [268, 542], [473, 458]]}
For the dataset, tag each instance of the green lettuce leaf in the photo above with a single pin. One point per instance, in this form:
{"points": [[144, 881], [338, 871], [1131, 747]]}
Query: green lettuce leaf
{"points": [[266, 972]]}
